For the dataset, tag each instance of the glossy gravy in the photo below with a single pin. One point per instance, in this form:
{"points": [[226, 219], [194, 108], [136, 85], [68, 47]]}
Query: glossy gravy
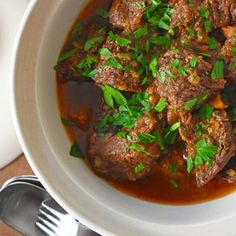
{"points": [[82, 99]]}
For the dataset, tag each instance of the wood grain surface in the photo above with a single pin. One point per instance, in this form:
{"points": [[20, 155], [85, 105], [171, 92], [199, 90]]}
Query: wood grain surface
{"points": [[19, 167]]}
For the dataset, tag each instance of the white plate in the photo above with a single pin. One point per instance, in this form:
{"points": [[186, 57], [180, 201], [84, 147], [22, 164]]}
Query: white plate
{"points": [[11, 12]]}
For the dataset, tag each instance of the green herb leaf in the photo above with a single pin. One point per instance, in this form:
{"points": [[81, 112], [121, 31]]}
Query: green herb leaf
{"points": [[164, 41], [86, 64], [76, 30], [93, 73], [153, 67], [206, 111], [203, 54], [193, 62], [198, 130], [190, 165], [139, 168], [173, 168], [111, 94], [193, 102], [162, 76], [171, 133], [67, 54], [118, 39], [204, 13], [205, 153], [159, 140], [161, 105], [207, 26], [90, 43], [139, 33], [174, 183], [102, 13], [105, 52], [145, 138], [113, 62], [212, 43], [218, 70], [66, 122], [75, 151], [139, 148]]}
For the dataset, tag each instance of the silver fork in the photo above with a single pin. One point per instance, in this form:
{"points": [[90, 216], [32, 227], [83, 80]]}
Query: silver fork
{"points": [[53, 220]]}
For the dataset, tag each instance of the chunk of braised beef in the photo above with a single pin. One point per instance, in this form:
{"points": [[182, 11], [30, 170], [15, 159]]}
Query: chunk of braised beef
{"points": [[229, 53], [69, 68], [229, 31], [123, 75], [229, 172], [126, 14], [180, 82], [111, 156], [184, 15], [222, 12], [219, 132]]}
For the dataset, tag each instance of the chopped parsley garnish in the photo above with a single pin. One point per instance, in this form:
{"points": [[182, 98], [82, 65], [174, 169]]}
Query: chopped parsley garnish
{"points": [[161, 105], [140, 4], [113, 62], [162, 40], [190, 165], [146, 138], [162, 76], [182, 71], [193, 62], [205, 152], [173, 168], [102, 13], [86, 64], [126, 114], [110, 95], [190, 2], [233, 50], [171, 133], [139, 168], [93, 73], [153, 67], [90, 43], [206, 111], [198, 130], [105, 52], [212, 43], [75, 151], [139, 148], [174, 183], [118, 39], [203, 54], [204, 13], [207, 25], [159, 15], [218, 70], [142, 31], [76, 31], [188, 106], [67, 54], [66, 122]]}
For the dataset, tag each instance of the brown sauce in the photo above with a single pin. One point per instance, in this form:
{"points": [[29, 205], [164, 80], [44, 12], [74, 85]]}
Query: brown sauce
{"points": [[81, 102]]}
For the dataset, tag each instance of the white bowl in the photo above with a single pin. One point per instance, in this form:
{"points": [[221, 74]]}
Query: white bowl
{"points": [[69, 181]]}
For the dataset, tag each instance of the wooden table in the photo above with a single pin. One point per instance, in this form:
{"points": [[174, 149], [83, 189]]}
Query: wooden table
{"points": [[19, 167]]}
